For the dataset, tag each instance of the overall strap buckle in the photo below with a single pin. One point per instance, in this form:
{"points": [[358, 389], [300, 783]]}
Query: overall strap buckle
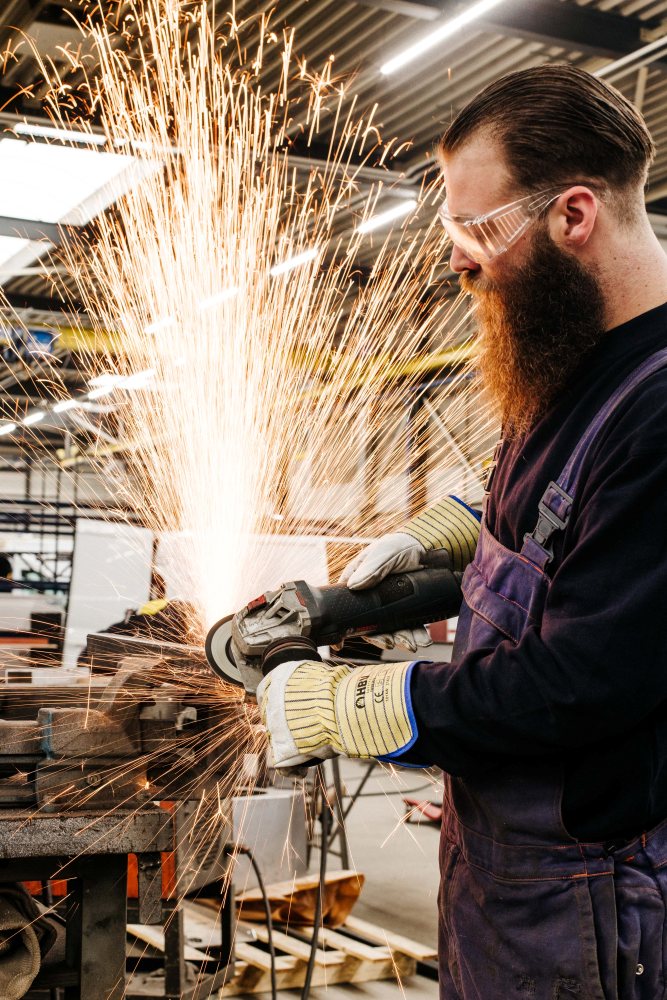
{"points": [[489, 473], [554, 511]]}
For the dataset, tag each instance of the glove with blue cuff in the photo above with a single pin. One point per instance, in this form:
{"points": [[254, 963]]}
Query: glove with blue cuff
{"points": [[317, 710], [449, 525]]}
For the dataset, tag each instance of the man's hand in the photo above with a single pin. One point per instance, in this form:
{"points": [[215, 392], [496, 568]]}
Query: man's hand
{"points": [[395, 553], [407, 638], [315, 710], [449, 525]]}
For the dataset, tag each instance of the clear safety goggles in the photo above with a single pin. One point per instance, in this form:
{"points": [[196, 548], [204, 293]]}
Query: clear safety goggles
{"points": [[484, 237]]}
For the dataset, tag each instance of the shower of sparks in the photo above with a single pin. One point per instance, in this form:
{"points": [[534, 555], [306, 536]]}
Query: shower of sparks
{"points": [[235, 279], [264, 378]]}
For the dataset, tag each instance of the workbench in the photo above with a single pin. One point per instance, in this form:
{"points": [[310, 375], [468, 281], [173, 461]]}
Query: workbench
{"points": [[91, 850]]}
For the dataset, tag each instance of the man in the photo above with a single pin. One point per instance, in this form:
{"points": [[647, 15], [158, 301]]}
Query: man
{"points": [[551, 721]]}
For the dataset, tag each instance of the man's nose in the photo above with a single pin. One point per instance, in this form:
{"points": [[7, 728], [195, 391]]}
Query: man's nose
{"points": [[459, 261]]}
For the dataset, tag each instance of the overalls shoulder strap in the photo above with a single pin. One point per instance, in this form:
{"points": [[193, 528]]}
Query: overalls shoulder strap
{"points": [[555, 507]]}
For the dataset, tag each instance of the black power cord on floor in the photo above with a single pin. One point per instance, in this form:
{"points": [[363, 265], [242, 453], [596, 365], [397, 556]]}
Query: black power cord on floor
{"points": [[233, 851], [325, 817]]}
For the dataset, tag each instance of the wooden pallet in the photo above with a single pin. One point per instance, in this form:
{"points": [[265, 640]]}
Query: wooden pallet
{"points": [[355, 953]]}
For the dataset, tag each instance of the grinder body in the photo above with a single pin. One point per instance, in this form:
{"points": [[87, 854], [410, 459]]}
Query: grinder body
{"points": [[291, 622]]}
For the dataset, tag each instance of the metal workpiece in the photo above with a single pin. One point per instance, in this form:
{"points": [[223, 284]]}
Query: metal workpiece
{"points": [[79, 785], [19, 737], [88, 733], [143, 733]]}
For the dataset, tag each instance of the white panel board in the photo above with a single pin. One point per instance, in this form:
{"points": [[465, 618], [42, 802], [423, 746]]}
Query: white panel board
{"points": [[281, 558], [272, 823], [111, 572]]}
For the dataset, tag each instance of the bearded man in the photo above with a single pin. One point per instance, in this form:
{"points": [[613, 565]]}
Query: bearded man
{"points": [[550, 722]]}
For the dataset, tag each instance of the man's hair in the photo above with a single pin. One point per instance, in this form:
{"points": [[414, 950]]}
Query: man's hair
{"points": [[559, 124]]}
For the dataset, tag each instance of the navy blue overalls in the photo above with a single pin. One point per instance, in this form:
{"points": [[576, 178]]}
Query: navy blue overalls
{"points": [[526, 910]]}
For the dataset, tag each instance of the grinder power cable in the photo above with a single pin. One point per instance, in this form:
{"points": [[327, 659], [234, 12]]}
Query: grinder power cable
{"points": [[291, 622]]}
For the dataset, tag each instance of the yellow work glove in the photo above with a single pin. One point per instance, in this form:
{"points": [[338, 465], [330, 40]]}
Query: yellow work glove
{"points": [[319, 710], [448, 525], [451, 525]]}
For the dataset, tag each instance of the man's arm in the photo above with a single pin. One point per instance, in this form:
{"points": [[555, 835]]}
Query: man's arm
{"points": [[597, 666]]}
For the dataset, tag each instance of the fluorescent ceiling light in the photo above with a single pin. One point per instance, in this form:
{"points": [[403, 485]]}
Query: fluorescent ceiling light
{"points": [[106, 378], [139, 379], [215, 300], [398, 211], [438, 35], [33, 418], [62, 134], [46, 182], [104, 390], [7, 429], [66, 404], [160, 324], [15, 253], [292, 262]]}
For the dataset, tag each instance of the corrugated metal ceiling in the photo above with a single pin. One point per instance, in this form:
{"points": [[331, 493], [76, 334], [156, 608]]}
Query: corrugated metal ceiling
{"points": [[416, 103]]}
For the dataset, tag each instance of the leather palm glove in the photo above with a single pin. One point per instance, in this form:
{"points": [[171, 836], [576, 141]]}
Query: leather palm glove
{"points": [[316, 710], [450, 525]]}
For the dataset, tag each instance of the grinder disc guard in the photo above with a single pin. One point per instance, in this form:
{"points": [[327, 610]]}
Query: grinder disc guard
{"points": [[219, 651]]}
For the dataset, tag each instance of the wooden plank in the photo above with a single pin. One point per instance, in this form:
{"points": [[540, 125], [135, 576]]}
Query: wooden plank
{"points": [[262, 960], [300, 949], [154, 936], [348, 945], [400, 967], [396, 942], [303, 882]]}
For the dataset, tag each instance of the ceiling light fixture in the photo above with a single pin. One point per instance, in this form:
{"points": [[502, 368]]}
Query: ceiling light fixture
{"points": [[103, 390], [438, 35], [297, 261], [105, 378], [160, 324], [33, 418], [62, 134], [7, 429], [66, 404], [382, 219], [218, 298], [139, 379]]}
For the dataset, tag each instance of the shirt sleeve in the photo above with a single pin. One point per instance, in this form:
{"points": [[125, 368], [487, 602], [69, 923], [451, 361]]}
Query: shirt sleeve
{"points": [[596, 667]]}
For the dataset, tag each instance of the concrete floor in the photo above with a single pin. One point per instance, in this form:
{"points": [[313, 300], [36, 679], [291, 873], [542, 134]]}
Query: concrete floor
{"points": [[400, 863], [399, 859], [381, 989]]}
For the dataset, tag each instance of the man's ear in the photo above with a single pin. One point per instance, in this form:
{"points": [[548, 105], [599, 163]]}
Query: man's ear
{"points": [[572, 217]]}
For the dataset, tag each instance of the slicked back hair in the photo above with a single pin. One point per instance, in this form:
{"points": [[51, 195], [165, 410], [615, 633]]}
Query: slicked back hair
{"points": [[558, 124]]}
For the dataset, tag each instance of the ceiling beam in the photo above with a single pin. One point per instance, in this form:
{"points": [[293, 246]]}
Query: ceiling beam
{"points": [[44, 303], [17, 16], [27, 229], [550, 22]]}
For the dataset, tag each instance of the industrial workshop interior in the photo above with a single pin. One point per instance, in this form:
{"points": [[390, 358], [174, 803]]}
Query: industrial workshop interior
{"points": [[333, 646]]}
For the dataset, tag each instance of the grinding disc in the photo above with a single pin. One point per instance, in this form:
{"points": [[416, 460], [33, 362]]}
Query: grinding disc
{"points": [[219, 651]]}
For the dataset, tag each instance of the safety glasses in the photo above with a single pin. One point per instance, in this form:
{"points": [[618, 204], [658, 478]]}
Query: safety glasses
{"points": [[484, 237]]}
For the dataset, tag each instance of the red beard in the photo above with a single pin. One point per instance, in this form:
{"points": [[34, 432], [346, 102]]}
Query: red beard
{"points": [[536, 327]]}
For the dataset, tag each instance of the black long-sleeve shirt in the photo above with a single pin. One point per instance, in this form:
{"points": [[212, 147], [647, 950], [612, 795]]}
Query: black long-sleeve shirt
{"points": [[589, 687]]}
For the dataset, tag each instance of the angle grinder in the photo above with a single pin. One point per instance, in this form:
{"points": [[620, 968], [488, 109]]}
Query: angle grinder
{"points": [[291, 622]]}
